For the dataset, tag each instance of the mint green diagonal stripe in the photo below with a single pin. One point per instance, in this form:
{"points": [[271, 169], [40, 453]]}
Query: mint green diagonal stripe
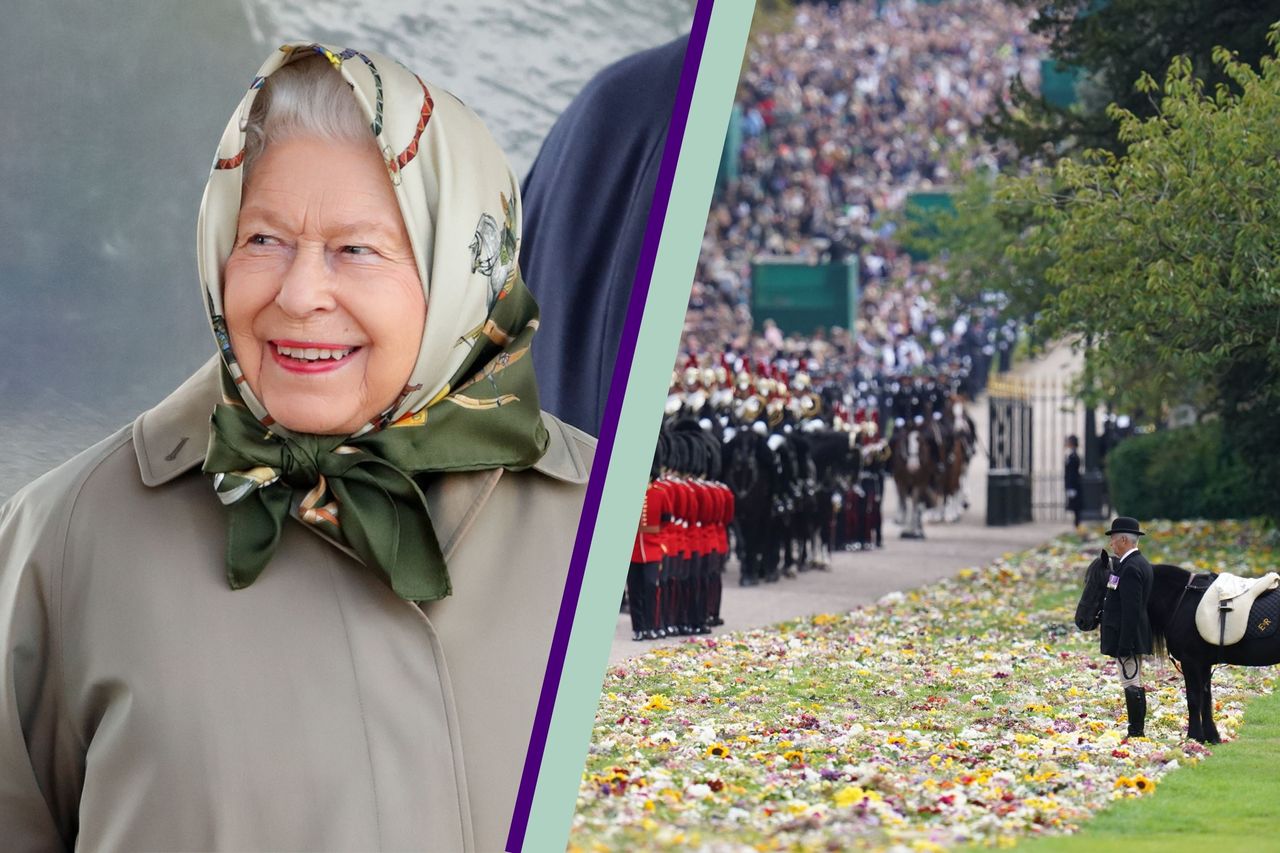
{"points": [[642, 407]]}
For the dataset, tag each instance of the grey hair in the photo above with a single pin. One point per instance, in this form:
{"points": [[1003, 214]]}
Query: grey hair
{"points": [[1129, 539], [304, 98]]}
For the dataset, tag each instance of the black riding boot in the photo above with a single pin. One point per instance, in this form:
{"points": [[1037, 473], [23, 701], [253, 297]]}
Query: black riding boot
{"points": [[1135, 702]]}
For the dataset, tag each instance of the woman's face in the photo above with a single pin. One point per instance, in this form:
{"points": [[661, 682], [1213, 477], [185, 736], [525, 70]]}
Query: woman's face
{"points": [[322, 297]]}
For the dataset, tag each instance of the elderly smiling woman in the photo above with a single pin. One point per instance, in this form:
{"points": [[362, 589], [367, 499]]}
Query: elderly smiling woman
{"points": [[365, 462]]}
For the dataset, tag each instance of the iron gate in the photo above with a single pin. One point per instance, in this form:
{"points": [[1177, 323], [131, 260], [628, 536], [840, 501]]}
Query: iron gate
{"points": [[1029, 423]]}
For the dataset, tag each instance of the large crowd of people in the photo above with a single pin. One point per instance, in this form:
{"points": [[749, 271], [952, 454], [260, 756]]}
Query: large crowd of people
{"points": [[844, 115]]}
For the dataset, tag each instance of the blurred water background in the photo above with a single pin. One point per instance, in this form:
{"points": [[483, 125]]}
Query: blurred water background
{"points": [[109, 115]]}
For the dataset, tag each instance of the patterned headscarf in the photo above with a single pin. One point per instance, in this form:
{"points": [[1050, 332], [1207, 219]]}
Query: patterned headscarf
{"points": [[471, 402]]}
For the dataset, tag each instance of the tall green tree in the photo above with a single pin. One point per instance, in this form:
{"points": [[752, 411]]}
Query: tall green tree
{"points": [[1167, 255], [1112, 43]]}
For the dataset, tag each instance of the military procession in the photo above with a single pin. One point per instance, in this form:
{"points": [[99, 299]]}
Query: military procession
{"points": [[777, 463]]}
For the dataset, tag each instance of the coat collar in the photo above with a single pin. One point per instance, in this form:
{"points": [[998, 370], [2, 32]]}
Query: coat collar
{"points": [[172, 438]]}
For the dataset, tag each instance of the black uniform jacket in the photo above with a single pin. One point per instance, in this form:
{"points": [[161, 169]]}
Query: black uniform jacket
{"points": [[1126, 629], [1071, 478]]}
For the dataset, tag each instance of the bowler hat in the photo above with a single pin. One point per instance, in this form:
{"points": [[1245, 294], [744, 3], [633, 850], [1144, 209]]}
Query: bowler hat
{"points": [[1125, 524]]}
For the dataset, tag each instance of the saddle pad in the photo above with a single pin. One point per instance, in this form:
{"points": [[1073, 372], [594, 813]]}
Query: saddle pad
{"points": [[1264, 616], [1238, 594]]}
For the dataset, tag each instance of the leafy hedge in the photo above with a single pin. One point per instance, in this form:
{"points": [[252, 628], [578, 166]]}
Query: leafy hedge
{"points": [[1183, 473]]}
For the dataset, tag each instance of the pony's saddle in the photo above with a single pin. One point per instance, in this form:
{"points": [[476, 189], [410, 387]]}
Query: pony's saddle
{"points": [[1235, 608]]}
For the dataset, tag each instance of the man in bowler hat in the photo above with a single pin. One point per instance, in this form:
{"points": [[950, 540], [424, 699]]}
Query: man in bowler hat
{"points": [[1126, 629]]}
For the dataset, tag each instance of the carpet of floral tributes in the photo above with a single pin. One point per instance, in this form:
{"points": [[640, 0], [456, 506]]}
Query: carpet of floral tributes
{"points": [[969, 711]]}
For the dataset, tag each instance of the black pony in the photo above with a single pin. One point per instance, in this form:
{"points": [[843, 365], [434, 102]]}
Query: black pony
{"points": [[1175, 594]]}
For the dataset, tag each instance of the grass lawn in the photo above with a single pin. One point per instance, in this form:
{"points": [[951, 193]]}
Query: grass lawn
{"points": [[1229, 803]]}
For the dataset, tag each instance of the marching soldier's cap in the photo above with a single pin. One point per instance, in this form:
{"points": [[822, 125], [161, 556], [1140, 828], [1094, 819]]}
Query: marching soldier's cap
{"points": [[1125, 524]]}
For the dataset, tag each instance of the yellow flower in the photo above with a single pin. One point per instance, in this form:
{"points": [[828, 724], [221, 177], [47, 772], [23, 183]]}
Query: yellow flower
{"points": [[1124, 782], [1143, 785], [849, 795], [718, 750], [926, 845], [793, 756], [825, 619], [658, 702], [896, 740]]}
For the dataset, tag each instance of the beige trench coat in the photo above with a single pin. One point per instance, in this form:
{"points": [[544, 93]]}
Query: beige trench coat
{"points": [[144, 705]]}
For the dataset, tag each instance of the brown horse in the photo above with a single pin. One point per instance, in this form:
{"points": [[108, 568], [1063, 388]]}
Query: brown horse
{"points": [[959, 444], [915, 471]]}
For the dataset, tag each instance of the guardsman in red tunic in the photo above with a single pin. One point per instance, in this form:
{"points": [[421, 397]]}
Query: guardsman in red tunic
{"points": [[700, 546], [646, 563], [686, 503], [726, 506], [665, 516], [673, 574]]}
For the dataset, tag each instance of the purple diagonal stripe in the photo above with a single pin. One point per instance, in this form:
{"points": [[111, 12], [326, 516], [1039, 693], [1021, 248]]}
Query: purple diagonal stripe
{"points": [[609, 426]]}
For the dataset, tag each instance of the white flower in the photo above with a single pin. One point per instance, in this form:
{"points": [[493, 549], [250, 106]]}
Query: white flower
{"points": [[703, 734], [698, 791]]}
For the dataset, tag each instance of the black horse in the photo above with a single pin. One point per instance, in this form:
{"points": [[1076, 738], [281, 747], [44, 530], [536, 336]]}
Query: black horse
{"points": [[1175, 594], [751, 471]]}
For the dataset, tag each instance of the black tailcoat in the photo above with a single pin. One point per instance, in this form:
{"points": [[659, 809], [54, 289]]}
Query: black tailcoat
{"points": [[1126, 628]]}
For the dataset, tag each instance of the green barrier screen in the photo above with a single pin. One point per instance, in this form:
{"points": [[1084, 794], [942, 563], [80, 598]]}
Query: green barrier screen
{"points": [[801, 297], [922, 212], [1058, 83]]}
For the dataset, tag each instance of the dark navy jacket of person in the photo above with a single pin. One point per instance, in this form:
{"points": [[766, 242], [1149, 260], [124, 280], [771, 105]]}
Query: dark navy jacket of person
{"points": [[586, 206], [1126, 628], [1071, 479]]}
